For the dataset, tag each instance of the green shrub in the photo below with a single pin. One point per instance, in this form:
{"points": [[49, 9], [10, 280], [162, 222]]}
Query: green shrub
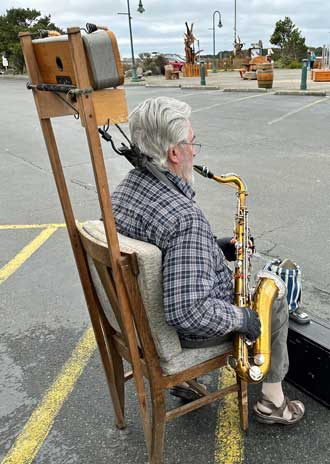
{"points": [[294, 65], [287, 63]]}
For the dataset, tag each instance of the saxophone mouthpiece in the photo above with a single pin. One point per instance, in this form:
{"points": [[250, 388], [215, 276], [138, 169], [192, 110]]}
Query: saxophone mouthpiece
{"points": [[203, 171]]}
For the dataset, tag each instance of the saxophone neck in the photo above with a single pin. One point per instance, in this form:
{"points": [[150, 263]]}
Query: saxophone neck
{"points": [[230, 178]]}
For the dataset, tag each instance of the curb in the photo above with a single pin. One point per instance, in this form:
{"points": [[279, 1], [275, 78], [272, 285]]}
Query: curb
{"points": [[134, 84], [169, 86], [242, 89], [315, 93], [200, 87], [14, 76]]}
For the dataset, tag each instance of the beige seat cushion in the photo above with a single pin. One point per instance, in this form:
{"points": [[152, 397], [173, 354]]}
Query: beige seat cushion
{"points": [[151, 287], [173, 357]]}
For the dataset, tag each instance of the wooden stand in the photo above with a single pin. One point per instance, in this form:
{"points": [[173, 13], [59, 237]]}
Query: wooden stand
{"points": [[95, 108]]}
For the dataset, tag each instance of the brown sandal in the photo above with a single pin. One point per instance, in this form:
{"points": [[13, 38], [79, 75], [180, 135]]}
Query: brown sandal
{"points": [[296, 408]]}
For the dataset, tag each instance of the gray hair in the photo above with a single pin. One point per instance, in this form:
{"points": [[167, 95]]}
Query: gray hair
{"points": [[158, 124]]}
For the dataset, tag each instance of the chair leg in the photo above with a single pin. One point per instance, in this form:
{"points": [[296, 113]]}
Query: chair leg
{"points": [[157, 427], [243, 404], [115, 376], [118, 395]]}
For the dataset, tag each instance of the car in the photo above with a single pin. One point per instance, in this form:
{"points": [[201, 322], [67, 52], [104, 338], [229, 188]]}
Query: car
{"points": [[175, 60]]}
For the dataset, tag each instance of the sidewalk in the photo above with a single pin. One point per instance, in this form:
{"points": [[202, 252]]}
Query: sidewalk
{"points": [[285, 80]]}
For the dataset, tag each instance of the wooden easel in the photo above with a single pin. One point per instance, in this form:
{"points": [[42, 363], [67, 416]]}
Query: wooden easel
{"points": [[95, 109]]}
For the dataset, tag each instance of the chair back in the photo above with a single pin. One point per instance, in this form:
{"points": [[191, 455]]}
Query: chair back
{"points": [[148, 273]]}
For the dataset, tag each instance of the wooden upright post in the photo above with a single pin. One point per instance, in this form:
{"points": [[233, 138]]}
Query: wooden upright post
{"points": [[48, 106], [80, 257]]}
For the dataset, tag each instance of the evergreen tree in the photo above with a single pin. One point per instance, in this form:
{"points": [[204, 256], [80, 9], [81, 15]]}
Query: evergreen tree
{"points": [[20, 20], [288, 37]]}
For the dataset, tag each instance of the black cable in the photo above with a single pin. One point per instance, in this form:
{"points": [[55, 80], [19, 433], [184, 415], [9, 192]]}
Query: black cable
{"points": [[76, 115], [107, 137], [123, 134]]}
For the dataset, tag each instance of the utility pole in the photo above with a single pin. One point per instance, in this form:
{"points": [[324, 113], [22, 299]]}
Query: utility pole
{"points": [[235, 31]]}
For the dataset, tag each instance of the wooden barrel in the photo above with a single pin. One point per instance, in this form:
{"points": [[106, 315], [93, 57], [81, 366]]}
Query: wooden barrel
{"points": [[265, 75], [168, 72]]}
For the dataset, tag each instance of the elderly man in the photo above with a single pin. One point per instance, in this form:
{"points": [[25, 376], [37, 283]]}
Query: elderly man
{"points": [[155, 203]]}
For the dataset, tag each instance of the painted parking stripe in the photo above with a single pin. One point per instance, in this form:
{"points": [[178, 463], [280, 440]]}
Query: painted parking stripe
{"points": [[29, 226], [233, 100], [35, 431], [12, 266], [302, 108], [229, 439]]}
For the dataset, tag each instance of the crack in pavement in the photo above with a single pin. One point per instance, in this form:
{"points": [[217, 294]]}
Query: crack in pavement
{"points": [[84, 185], [30, 163], [262, 234]]}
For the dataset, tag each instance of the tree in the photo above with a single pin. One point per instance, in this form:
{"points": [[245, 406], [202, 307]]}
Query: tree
{"points": [[288, 37], [20, 20]]}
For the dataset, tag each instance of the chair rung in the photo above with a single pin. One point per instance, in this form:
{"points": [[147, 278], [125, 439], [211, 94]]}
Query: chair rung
{"points": [[198, 387], [128, 375], [177, 412]]}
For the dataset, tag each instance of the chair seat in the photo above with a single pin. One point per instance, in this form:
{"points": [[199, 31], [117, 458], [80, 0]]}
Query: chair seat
{"points": [[192, 356]]}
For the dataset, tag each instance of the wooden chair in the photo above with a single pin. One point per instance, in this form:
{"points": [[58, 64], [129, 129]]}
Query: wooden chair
{"points": [[142, 337]]}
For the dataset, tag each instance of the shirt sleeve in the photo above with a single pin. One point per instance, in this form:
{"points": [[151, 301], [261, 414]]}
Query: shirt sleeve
{"points": [[197, 283]]}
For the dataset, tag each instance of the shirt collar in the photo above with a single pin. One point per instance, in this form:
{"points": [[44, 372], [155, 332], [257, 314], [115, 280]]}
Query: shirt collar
{"points": [[185, 188]]}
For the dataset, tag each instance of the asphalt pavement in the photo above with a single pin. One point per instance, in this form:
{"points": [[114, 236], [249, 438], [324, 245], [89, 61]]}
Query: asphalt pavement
{"points": [[279, 144]]}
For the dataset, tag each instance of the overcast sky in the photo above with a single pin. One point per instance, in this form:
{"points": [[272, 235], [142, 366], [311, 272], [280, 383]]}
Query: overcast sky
{"points": [[161, 26]]}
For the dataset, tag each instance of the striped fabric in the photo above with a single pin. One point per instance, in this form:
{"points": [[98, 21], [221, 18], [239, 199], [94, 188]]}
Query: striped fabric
{"points": [[292, 280]]}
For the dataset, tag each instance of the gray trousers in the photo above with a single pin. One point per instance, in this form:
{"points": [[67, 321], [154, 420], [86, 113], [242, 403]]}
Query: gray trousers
{"points": [[279, 358]]}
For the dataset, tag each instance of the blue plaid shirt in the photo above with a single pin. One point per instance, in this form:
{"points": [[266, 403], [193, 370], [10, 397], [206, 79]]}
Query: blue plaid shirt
{"points": [[197, 284]]}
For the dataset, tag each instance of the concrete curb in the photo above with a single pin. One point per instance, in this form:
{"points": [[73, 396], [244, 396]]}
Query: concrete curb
{"points": [[315, 93], [242, 89], [135, 84], [14, 76], [170, 86], [200, 87]]}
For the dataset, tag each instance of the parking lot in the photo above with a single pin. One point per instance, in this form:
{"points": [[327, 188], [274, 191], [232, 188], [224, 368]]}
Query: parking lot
{"points": [[280, 145]]}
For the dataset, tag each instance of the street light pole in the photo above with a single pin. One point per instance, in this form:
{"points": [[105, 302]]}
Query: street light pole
{"points": [[235, 31], [214, 68], [140, 10]]}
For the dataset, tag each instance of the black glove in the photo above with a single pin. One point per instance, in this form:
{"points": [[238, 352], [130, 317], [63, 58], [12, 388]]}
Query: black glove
{"points": [[228, 248], [251, 324]]}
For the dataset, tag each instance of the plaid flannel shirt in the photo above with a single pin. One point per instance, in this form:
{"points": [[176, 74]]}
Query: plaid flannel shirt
{"points": [[197, 284]]}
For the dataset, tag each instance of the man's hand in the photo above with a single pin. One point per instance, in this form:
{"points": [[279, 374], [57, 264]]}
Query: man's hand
{"points": [[228, 247], [251, 324]]}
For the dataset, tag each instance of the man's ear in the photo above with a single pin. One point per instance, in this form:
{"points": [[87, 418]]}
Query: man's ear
{"points": [[172, 155]]}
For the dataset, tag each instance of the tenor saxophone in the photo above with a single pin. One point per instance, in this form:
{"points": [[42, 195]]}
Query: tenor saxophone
{"points": [[251, 360]]}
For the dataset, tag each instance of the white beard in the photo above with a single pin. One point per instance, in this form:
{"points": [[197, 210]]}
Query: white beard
{"points": [[189, 177]]}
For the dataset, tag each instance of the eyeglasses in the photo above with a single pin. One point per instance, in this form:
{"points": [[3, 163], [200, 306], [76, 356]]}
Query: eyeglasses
{"points": [[197, 146]]}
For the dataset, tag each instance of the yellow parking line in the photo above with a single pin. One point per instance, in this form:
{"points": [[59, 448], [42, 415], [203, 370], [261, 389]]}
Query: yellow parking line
{"points": [[38, 426], [229, 442], [29, 226], [12, 266]]}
